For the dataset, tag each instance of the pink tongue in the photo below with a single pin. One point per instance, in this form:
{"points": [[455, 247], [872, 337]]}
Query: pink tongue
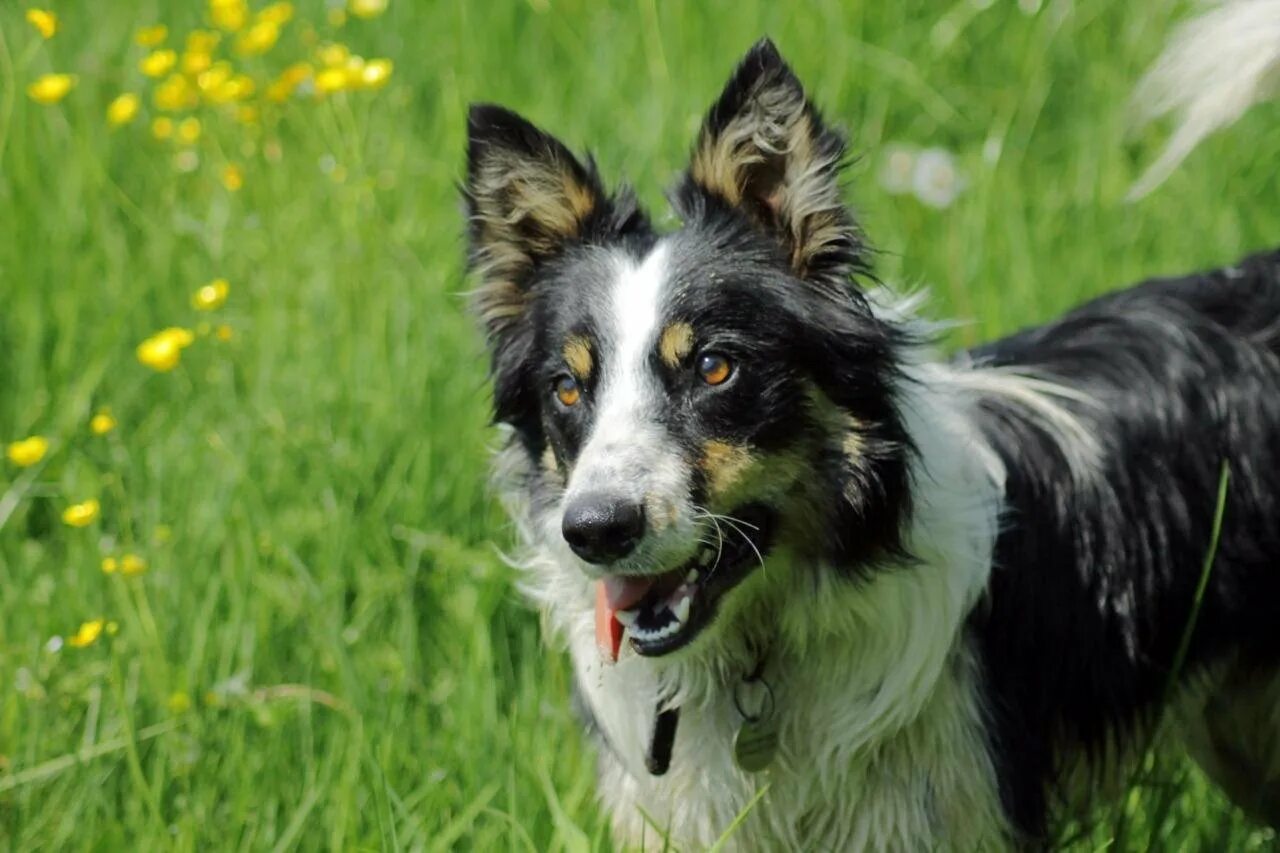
{"points": [[614, 594], [625, 593]]}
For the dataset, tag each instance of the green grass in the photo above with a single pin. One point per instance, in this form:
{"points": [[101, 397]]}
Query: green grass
{"points": [[311, 497]]}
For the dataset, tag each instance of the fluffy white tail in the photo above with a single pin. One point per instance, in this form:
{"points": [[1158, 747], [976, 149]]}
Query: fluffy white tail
{"points": [[1216, 66]]}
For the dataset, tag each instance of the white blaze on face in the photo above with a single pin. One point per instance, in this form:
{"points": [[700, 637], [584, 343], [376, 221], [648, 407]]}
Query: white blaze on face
{"points": [[629, 453]]}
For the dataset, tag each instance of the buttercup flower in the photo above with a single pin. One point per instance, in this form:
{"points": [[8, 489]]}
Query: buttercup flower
{"points": [[189, 130], [376, 73], [195, 61], [233, 180], [102, 423], [277, 13], [179, 702], [211, 296], [131, 565], [88, 634], [151, 36], [51, 88], [175, 93], [203, 41], [331, 80], [223, 333], [333, 54], [110, 565], [28, 451], [258, 39], [367, 8], [162, 351], [158, 63], [81, 514], [123, 109], [229, 15], [162, 127], [44, 21]]}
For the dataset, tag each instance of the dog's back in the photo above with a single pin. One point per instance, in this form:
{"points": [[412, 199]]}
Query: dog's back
{"points": [[1170, 382]]}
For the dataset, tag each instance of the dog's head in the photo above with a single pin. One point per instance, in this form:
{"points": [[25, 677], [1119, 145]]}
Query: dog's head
{"points": [[685, 403]]}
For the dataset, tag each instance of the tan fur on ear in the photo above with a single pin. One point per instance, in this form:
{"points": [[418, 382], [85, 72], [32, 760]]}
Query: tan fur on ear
{"points": [[764, 150], [527, 196]]}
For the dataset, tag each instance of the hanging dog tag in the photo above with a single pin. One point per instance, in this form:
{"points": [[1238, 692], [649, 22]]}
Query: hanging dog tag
{"points": [[755, 744]]}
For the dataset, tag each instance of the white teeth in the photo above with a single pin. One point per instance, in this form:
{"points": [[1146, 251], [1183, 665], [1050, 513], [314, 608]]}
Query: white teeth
{"points": [[706, 558], [626, 617], [662, 633], [681, 610], [691, 578]]}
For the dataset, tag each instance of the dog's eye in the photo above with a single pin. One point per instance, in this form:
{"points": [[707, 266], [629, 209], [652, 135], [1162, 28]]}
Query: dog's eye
{"points": [[714, 368], [567, 390]]}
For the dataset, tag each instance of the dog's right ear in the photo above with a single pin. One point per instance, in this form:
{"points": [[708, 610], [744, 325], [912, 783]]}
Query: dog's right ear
{"points": [[527, 196]]}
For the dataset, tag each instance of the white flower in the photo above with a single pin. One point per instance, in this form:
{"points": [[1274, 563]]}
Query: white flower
{"points": [[935, 179], [896, 172]]}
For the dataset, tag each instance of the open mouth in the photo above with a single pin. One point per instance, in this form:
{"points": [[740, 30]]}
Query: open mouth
{"points": [[664, 612]]}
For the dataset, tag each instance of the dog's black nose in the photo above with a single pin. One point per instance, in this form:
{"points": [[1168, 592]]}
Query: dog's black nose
{"points": [[602, 528]]}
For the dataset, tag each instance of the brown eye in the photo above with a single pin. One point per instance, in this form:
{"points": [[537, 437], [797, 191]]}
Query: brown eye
{"points": [[714, 368], [567, 390]]}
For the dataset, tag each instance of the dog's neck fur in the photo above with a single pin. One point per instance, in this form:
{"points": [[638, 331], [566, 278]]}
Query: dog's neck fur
{"points": [[876, 687]]}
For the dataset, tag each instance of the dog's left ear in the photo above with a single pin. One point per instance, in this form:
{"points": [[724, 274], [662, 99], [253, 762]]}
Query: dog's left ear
{"points": [[764, 150]]}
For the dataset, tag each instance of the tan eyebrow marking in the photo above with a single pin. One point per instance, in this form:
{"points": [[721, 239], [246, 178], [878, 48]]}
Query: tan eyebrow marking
{"points": [[724, 464], [577, 354], [675, 344]]}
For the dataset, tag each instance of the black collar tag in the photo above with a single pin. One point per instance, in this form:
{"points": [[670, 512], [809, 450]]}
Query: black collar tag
{"points": [[658, 759]]}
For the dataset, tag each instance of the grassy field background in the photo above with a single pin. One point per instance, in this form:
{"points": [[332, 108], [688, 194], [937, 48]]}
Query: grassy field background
{"points": [[324, 649]]}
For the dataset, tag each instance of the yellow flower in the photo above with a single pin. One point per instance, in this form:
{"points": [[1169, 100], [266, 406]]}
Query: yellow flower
{"points": [[189, 130], [102, 423], [44, 21], [233, 180], [333, 54], [282, 87], [203, 41], [367, 8], [28, 451], [247, 115], [195, 61], [123, 109], [235, 89], [81, 514], [229, 15], [258, 39], [277, 13], [151, 36], [212, 295], [158, 63], [175, 93], [131, 565], [162, 350], [88, 634], [179, 702], [223, 333], [211, 79], [331, 80], [109, 565], [162, 127], [51, 88], [376, 73]]}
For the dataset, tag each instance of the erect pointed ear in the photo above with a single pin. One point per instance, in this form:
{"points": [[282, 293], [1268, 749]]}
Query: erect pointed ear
{"points": [[764, 150], [527, 196]]}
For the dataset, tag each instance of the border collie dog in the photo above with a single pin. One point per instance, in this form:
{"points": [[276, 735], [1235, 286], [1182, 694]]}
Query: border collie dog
{"points": [[809, 570]]}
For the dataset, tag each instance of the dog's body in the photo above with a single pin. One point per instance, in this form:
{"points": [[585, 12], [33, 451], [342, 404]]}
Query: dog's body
{"points": [[940, 602]]}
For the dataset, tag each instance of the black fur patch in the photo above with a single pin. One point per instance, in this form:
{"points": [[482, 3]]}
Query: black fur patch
{"points": [[1094, 580]]}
